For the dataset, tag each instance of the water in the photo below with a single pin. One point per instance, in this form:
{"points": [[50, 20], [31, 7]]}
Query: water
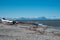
{"points": [[55, 27]]}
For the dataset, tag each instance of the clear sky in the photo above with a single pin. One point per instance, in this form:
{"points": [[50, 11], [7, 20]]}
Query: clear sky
{"points": [[29, 8]]}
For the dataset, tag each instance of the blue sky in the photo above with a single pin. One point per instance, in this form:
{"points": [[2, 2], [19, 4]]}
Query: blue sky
{"points": [[29, 8]]}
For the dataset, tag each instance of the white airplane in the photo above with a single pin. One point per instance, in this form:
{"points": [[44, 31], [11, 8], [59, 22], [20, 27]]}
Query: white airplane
{"points": [[6, 21]]}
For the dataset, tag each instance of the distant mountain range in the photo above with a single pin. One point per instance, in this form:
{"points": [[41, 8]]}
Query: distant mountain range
{"points": [[39, 18]]}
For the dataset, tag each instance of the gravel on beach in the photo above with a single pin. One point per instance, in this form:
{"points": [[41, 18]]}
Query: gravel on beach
{"points": [[15, 32]]}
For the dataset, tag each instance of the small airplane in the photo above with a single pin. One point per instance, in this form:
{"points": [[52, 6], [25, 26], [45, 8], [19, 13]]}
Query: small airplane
{"points": [[4, 21]]}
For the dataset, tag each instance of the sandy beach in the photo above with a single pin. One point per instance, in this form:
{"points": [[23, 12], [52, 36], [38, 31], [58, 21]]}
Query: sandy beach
{"points": [[21, 32]]}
